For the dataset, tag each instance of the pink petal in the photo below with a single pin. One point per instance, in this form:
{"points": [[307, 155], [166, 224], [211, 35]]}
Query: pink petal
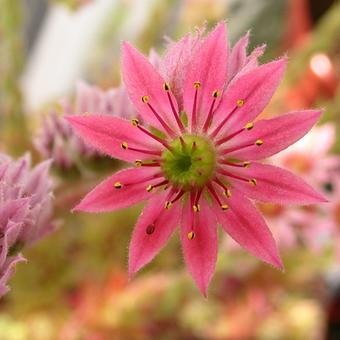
{"points": [[106, 134], [256, 89], [275, 185], [176, 61], [200, 253], [248, 228], [238, 56], [142, 79], [105, 197], [277, 134], [152, 231], [209, 67]]}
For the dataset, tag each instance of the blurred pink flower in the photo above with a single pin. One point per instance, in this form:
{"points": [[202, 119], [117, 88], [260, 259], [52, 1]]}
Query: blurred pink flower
{"points": [[25, 210], [57, 140], [198, 174]]}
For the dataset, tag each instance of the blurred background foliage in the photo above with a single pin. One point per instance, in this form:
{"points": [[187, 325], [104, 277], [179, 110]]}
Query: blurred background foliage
{"points": [[75, 284]]}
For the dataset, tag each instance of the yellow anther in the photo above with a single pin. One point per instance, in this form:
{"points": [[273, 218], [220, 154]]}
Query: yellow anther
{"points": [[240, 102], [149, 188], [191, 235], [196, 207], [224, 207], [259, 142], [249, 126], [168, 205], [124, 145], [253, 181], [216, 94], [145, 99], [118, 185], [246, 164], [197, 84], [227, 193], [138, 162], [135, 122], [166, 87]]}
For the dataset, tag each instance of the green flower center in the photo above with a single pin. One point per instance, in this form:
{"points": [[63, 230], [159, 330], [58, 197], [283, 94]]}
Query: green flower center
{"points": [[190, 162]]}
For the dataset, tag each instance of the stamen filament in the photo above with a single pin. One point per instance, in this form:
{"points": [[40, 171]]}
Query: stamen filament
{"points": [[197, 85], [159, 140], [228, 138], [175, 113], [160, 119], [148, 152], [210, 114], [227, 191], [219, 127], [237, 165], [259, 142], [229, 174]]}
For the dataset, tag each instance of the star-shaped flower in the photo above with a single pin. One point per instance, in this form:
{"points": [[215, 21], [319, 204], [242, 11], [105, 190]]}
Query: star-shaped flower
{"points": [[197, 152]]}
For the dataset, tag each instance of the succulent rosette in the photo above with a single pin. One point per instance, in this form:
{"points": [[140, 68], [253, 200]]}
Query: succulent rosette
{"points": [[25, 210], [197, 149]]}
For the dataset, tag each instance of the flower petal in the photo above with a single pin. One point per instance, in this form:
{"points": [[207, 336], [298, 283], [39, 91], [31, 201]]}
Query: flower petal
{"points": [[176, 61], [238, 56], [255, 88], [106, 197], [275, 185], [106, 134], [142, 79], [153, 229], [248, 228], [209, 67], [200, 253], [277, 134]]}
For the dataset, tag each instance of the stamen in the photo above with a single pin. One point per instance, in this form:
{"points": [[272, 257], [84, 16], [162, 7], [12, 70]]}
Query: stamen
{"points": [[248, 127], [226, 162], [191, 235], [118, 185], [125, 146], [207, 123], [224, 207], [145, 99], [214, 194], [167, 205], [259, 142], [196, 207], [219, 127], [162, 122], [135, 122], [197, 85], [139, 163], [226, 191], [150, 229], [243, 179], [149, 188], [159, 140], [253, 181], [166, 87], [178, 196], [246, 164], [240, 102]]}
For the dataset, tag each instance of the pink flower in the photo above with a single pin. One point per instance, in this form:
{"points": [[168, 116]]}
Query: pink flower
{"points": [[25, 210], [198, 163], [56, 139]]}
